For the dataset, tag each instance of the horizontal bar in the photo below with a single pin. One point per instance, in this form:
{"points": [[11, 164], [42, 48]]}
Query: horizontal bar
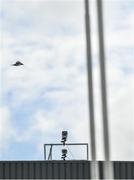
{"points": [[77, 144]]}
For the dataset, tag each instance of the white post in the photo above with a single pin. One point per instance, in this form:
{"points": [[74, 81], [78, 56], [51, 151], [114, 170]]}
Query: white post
{"points": [[108, 170], [94, 166]]}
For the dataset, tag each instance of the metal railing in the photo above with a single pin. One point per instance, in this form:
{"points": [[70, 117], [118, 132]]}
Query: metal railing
{"points": [[50, 154]]}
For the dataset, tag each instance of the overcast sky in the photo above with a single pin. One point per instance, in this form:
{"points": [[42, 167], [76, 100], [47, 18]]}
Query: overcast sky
{"points": [[49, 93]]}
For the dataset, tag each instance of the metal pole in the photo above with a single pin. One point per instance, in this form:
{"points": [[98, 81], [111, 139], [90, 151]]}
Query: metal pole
{"points": [[103, 80], [44, 152], [87, 153], [94, 166], [103, 88], [90, 81]]}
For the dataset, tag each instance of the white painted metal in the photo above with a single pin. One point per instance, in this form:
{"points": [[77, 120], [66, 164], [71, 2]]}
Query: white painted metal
{"points": [[108, 171]]}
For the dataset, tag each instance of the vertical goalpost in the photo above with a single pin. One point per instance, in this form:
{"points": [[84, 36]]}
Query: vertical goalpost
{"points": [[94, 164], [108, 169]]}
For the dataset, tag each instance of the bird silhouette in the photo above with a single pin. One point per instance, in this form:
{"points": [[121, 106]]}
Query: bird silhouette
{"points": [[18, 63]]}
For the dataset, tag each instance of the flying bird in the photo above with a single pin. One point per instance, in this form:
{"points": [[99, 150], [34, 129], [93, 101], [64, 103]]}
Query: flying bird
{"points": [[18, 63]]}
